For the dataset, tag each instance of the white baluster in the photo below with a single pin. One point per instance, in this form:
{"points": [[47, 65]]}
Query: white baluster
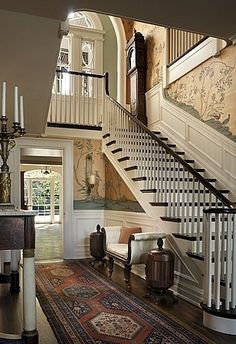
{"points": [[228, 263], [232, 219], [217, 263]]}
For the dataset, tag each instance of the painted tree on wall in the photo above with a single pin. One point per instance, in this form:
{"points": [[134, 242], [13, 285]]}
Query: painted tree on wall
{"points": [[206, 94], [88, 151]]}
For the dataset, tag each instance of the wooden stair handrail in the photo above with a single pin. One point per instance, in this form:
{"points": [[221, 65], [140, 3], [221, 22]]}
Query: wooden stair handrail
{"points": [[197, 175]]}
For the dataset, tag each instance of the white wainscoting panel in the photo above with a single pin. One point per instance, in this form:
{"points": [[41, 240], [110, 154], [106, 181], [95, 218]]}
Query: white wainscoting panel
{"points": [[209, 148], [229, 161], [130, 219], [174, 123], [84, 223], [153, 107]]}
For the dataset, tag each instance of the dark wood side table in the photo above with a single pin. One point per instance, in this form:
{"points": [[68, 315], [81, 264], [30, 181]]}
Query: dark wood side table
{"points": [[17, 231]]}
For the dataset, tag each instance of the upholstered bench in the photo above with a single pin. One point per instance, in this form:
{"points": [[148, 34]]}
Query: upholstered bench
{"points": [[128, 246]]}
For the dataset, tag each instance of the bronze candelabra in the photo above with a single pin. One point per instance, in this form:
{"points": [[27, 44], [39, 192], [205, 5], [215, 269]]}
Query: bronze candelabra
{"points": [[7, 142]]}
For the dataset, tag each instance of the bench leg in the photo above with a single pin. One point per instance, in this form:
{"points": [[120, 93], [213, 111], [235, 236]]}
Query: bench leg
{"points": [[127, 270], [110, 266]]}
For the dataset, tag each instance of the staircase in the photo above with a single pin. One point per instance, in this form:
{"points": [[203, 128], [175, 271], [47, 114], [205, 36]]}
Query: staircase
{"points": [[184, 200]]}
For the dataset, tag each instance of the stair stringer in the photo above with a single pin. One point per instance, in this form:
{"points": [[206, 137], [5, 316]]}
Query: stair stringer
{"points": [[153, 213], [188, 274]]}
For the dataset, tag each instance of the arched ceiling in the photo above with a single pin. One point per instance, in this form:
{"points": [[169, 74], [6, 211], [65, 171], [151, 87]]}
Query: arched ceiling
{"points": [[212, 17]]}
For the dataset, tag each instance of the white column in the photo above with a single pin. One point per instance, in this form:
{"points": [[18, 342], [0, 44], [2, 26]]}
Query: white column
{"points": [[121, 59], [14, 260], [29, 294]]}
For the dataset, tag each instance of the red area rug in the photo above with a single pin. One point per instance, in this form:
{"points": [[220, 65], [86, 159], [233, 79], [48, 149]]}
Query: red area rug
{"points": [[82, 306]]}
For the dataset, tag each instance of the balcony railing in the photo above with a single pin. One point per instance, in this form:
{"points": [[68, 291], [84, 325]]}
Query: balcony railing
{"points": [[77, 99], [180, 42]]}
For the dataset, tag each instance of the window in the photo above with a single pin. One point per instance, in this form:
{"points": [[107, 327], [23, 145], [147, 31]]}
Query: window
{"points": [[80, 19], [81, 50], [43, 194]]}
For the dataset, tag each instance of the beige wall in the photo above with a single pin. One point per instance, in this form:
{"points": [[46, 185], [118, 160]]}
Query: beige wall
{"points": [[83, 148], [208, 92], [109, 191]]}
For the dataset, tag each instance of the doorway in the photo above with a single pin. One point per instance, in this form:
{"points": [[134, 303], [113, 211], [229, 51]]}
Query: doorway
{"points": [[42, 192]]}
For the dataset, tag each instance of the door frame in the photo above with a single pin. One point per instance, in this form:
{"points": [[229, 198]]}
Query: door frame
{"points": [[67, 181]]}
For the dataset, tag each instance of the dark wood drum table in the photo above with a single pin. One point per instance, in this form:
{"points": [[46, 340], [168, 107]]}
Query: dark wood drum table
{"points": [[17, 231]]}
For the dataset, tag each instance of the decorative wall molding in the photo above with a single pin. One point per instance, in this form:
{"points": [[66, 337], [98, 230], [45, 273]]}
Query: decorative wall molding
{"points": [[84, 223], [208, 48], [210, 149]]}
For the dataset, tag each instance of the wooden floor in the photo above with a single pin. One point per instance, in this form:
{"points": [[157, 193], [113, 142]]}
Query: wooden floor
{"points": [[181, 311], [11, 311]]}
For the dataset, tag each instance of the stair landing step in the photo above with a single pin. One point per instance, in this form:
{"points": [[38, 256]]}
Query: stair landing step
{"points": [[222, 312]]}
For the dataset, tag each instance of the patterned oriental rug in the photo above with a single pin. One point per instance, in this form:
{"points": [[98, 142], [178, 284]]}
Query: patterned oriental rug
{"points": [[82, 306]]}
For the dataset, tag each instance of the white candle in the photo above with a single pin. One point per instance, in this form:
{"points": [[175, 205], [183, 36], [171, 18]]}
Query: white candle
{"points": [[21, 113], [4, 95], [16, 119]]}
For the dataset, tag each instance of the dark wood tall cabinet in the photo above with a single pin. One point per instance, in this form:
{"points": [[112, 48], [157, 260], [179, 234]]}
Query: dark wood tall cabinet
{"points": [[136, 73]]}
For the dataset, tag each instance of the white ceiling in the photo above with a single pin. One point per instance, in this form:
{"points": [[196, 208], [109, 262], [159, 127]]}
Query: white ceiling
{"points": [[212, 17]]}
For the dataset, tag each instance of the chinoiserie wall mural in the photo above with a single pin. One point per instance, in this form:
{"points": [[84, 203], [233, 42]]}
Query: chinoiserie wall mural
{"points": [[97, 185], [89, 175], [208, 92], [118, 195]]}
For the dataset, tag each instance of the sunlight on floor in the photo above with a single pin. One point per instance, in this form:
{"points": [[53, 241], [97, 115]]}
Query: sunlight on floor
{"points": [[48, 242]]}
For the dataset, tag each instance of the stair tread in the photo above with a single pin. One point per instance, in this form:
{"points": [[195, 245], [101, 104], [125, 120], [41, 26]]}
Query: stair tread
{"points": [[130, 168], [149, 190], [117, 150], [106, 135], [200, 256], [191, 191], [159, 204], [111, 143], [201, 204], [137, 179], [124, 158], [170, 219]]}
